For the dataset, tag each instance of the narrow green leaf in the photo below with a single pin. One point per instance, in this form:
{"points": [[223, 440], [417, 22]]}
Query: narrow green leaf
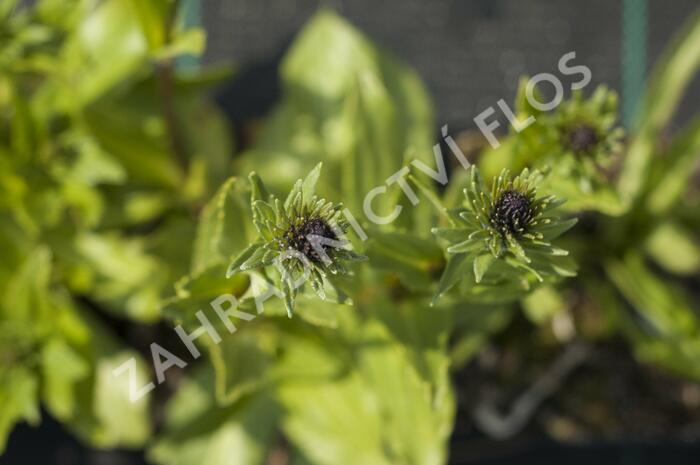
{"points": [[482, 263], [255, 260], [668, 81], [235, 265], [674, 248], [454, 271], [308, 187]]}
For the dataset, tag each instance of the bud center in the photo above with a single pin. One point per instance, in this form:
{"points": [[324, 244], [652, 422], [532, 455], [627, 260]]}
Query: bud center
{"points": [[582, 139], [297, 237], [511, 213]]}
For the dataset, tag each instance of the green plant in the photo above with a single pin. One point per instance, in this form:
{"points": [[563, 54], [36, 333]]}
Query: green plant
{"points": [[505, 233], [300, 236], [114, 182], [93, 206]]}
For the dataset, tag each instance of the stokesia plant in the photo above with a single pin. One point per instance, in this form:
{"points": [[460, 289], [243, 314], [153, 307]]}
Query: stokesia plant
{"points": [[301, 237], [506, 231], [371, 383]]}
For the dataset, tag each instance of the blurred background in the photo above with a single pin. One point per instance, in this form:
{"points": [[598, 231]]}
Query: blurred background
{"points": [[469, 54]]}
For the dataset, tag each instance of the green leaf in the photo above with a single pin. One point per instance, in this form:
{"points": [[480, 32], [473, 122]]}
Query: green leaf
{"points": [[429, 192], [18, 400], [350, 105], [211, 282], [113, 46], [62, 368], [473, 325], [557, 228], [668, 336], [413, 259], [542, 304], [189, 42], [676, 170], [674, 248], [382, 412], [308, 187], [482, 263], [129, 280], [222, 231], [103, 413], [118, 124], [153, 17], [663, 306], [198, 431], [235, 266], [243, 363], [668, 81], [456, 264], [255, 260], [258, 189], [29, 287]]}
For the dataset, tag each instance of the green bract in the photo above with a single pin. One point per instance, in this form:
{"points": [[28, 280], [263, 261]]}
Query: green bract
{"points": [[301, 238], [508, 231]]}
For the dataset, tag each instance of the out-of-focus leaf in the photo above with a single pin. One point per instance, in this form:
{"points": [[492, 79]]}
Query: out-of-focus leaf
{"points": [[382, 412], [482, 263], [676, 170], [153, 17], [242, 363], [62, 368], [674, 248], [222, 231], [122, 422], [597, 197], [189, 42], [456, 266], [415, 260], [131, 130], [113, 46], [126, 276], [667, 83], [473, 325], [422, 332], [18, 400], [668, 333], [199, 431], [210, 283], [27, 296], [542, 304], [347, 104]]}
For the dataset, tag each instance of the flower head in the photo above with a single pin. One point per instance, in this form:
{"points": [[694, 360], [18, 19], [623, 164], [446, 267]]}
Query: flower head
{"points": [[301, 238], [576, 144], [586, 128], [509, 228]]}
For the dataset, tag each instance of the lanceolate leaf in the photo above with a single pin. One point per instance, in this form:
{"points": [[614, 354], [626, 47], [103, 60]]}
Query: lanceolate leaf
{"points": [[668, 82], [222, 230], [243, 257], [676, 170], [452, 274], [482, 264]]}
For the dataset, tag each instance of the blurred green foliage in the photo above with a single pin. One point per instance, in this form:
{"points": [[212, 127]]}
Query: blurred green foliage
{"points": [[117, 206], [95, 203]]}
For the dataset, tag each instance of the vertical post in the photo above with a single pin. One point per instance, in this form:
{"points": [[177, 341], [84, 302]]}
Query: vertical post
{"points": [[634, 54], [190, 15]]}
